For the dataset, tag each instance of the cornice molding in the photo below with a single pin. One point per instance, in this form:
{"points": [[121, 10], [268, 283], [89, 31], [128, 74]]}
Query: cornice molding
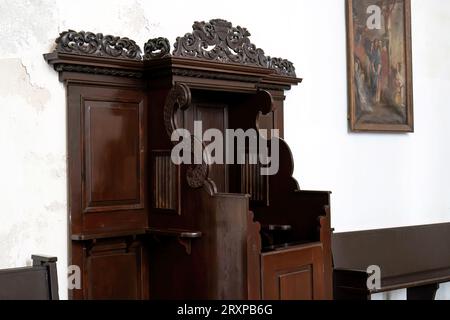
{"points": [[97, 70]]}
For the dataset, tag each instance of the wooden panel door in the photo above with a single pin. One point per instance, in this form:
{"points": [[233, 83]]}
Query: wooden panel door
{"points": [[293, 274], [112, 159], [107, 156], [111, 269]]}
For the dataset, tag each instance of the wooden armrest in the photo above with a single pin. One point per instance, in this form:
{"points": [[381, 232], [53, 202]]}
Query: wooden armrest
{"points": [[179, 233]]}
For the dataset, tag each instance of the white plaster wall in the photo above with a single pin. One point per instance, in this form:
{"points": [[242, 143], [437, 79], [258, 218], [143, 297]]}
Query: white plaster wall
{"points": [[378, 180]]}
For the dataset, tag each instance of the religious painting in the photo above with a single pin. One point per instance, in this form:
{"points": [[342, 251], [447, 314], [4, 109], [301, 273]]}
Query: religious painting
{"points": [[379, 65]]}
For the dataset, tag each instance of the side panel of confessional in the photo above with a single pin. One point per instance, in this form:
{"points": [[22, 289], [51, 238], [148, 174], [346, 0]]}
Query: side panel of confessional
{"points": [[107, 191]]}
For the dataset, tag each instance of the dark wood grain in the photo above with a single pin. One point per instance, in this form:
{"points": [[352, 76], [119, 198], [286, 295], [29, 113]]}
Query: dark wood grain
{"points": [[142, 227], [39, 282], [414, 257], [294, 273]]}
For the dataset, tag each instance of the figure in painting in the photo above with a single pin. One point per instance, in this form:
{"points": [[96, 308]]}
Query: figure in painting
{"points": [[375, 70], [384, 84], [387, 8], [361, 92], [399, 84]]}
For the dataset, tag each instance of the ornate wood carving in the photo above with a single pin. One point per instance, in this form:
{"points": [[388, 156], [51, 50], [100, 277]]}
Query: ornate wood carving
{"points": [[282, 66], [89, 43], [97, 70], [218, 40], [157, 48], [180, 98], [196, 175]]}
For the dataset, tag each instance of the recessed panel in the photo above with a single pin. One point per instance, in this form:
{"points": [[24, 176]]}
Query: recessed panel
{"points": [[165, 183], [214, 116], [112, 157], [296, 285], [114, 270]]}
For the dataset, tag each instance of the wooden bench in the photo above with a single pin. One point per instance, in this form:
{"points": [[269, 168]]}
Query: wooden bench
{"points": [[39, 282], [413, 258]]}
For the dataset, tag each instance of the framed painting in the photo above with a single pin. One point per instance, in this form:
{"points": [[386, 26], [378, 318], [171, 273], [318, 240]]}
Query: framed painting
{"points": [[379, 65]]}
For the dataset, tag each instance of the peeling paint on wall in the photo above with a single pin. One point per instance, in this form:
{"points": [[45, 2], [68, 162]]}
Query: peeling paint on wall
{"points": [[133, 15], [18, 83]]}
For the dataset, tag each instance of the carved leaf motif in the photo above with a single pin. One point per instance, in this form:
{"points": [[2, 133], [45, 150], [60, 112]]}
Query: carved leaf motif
{"points": [[218, 40], [196, 175], [89, 43], [156, 48], [282, 66]]}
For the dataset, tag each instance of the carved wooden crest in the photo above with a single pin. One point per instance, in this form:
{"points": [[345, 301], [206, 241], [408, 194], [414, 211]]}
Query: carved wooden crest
{"points": [[218, 40], [89, 43]]}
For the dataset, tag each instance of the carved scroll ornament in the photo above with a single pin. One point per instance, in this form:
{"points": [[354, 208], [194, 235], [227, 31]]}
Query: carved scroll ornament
{"points": [[157, 48], [89, 43], [218, 40], [179, 98]]}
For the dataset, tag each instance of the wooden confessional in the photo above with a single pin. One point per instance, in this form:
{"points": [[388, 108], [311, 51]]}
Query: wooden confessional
{"points": [[142, 227]]}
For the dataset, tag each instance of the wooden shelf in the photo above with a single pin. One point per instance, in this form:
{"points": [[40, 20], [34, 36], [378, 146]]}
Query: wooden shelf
{"points": [[179, 233], [108, 234], [183, 236]]}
